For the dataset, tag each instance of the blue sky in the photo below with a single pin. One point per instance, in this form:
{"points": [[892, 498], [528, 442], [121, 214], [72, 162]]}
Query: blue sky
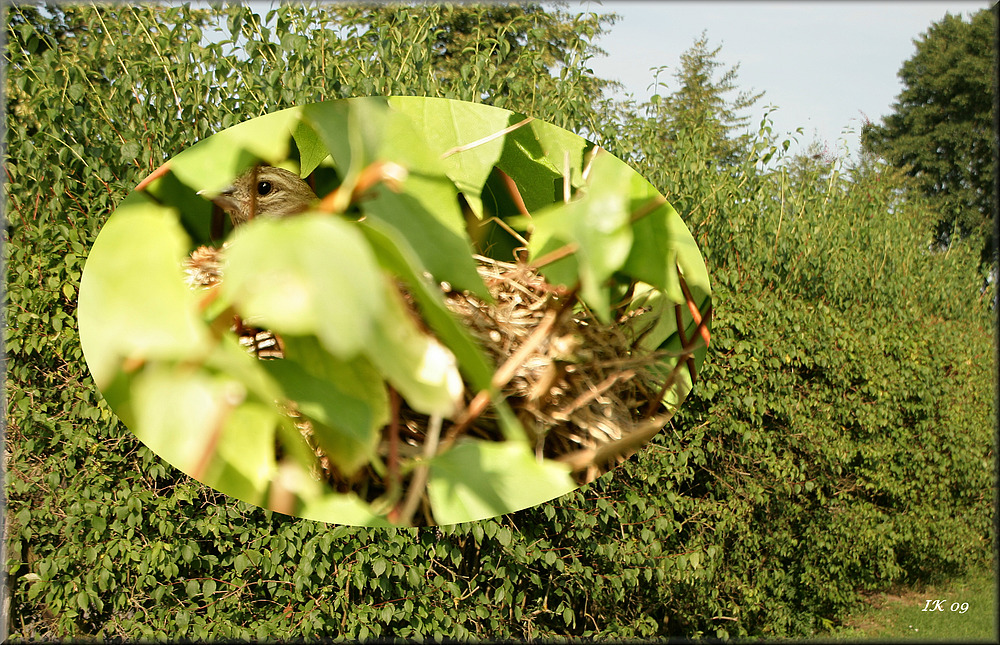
{"points": [[822, 64]]}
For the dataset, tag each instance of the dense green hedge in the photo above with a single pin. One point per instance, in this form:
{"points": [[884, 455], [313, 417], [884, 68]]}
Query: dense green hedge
{"points": [[840, 439]]}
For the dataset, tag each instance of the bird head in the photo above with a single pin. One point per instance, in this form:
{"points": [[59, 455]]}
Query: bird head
{"points": [[264, 190]]}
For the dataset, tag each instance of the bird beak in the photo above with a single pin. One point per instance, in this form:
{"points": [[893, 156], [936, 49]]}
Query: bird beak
{"points": [[223, 199]]}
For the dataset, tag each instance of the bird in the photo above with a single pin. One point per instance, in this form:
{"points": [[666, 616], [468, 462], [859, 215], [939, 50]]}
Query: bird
{"points": [[264, 191]]}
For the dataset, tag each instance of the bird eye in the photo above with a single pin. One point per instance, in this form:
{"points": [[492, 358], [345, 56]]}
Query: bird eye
{"points": [[263, 188]]}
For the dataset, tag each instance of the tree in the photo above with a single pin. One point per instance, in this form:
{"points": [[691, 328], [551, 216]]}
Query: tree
{"points": [[679, 140], [941, 128], [460, 34], [700, 106], [523, 57]]}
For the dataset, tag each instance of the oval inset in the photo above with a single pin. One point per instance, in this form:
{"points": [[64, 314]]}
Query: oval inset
{"points": [[394, 311]]}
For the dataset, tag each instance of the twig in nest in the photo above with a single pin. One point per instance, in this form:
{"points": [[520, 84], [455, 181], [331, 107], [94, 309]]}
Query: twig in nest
{"points": [[590, 395], [608, 451], [507, 371], [420, 472]]}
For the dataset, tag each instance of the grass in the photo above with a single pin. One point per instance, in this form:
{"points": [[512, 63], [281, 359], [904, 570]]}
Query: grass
{"points": [[901, 616]]}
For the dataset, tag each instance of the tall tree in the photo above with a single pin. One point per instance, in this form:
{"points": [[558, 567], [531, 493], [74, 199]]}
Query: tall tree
{"points": [[941, 127], [701, 105], [682, 134]]}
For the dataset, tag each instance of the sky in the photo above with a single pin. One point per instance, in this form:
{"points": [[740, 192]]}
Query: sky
{"points": [[824, 65]]}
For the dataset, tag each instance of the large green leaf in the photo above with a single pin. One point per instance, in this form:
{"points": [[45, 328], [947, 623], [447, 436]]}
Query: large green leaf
{"points": [[133, 301], [597, 226], [177, 412], [202, 424], [341, 509], [463, 135], [446, 254], [446, 125], [423, 370], [245, 461], [310, 274], [212, 164], [536, 157], [682, 258], [422, 203], [478, 479], [195, 211], [397, 256], [653, 257], [351, 132], [310, 147]]}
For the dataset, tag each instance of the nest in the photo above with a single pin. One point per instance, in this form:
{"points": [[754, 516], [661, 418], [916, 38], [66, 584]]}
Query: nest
{"points": [[581, 387]]}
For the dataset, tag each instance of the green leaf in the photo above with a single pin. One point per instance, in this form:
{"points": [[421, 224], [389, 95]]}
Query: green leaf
{"points": [[310, 274], [177, 412], [310, 147], [230, 358], [477, 480], [422, 204], [341, 509], [423, 370], [346, 400], [195, 210], [427, 214], [597, 226], [536, 157], [351, 131], [131, 150], [653, 256], [445, 125], [212, 164], [245, 464], [395, 255], [133, 300]]}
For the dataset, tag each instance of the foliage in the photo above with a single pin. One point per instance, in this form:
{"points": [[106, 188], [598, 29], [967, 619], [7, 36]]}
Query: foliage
{"points": [[840, 438], [846, 346], [472, 47], [941, 130]]}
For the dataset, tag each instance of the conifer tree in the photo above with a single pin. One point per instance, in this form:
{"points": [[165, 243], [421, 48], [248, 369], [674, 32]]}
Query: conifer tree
{"points": [[701, 108]]}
